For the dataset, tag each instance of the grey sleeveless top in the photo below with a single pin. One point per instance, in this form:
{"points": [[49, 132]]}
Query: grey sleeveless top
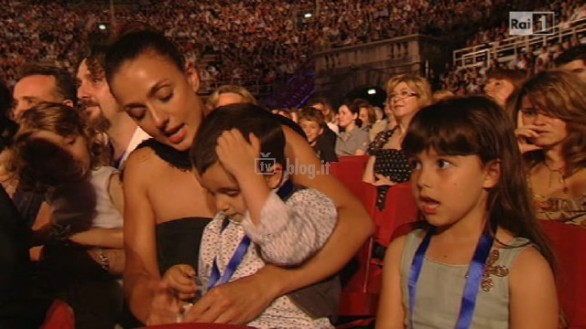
{"points": [[440, 288]]}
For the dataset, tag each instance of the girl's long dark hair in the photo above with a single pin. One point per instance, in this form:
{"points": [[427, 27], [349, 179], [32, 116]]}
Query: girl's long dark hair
{"points": [[478, 126]]}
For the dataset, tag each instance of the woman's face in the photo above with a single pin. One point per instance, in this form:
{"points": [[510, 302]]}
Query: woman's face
{"points": [[551, 130], [345, 116], [404, 101], [363, 116], [160, 98]]}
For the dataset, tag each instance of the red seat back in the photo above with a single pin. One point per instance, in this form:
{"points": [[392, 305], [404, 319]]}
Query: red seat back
{"points": [[400, 208], [355, 301], [349, 171], [569, 245], [59, 316]]}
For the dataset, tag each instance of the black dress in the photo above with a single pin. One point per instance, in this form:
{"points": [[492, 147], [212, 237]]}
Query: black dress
{"points": [[389, 163]]}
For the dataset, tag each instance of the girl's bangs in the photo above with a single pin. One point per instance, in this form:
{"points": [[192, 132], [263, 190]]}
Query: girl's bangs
{"points": [[445, 132]]}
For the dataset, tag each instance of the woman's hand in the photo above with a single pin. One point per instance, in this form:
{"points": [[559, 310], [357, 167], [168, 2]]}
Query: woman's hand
{"points": [[382, 180], [165, 307], [525, 135], [237, 302]]}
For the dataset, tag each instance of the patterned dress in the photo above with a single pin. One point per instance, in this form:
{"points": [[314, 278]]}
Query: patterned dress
{"points": [[289, 233], [566, 210], [389, 163]]}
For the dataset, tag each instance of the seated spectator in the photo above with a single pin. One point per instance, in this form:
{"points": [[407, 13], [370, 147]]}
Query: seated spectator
{"points": [[366, 113], [573, 60], [552, 111], [385, 123], [387, 164], [319, 136], [325, 107], [352, 139], [229, 94], [502, 83], [42, 83], [273, 220], [57, 154]]}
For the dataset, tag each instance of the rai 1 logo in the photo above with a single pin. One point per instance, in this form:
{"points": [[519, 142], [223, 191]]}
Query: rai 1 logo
{"points": [[531, 22]]}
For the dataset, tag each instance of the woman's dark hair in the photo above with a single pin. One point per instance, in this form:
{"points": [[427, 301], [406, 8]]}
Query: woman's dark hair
{"points": [[478, 126], [247, 118], [130, 46]]}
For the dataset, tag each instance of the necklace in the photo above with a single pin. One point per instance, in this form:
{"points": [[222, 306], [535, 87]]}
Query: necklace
{"points": [[560, 172]]}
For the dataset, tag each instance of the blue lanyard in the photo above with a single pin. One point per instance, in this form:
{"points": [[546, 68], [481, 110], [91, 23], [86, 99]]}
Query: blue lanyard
{"points": [[475, 274], [216, 278]]}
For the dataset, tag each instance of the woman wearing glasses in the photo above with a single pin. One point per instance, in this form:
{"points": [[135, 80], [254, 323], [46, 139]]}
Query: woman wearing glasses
{"points": [[387, 165]]}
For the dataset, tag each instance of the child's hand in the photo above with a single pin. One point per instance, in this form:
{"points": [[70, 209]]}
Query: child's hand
{"points": [[236, 154], [180, 279]]}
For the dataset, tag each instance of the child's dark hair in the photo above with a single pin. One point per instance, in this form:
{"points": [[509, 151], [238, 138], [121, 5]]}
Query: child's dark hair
{"points": [[42, 165], [247, 118], [134, 44], [478, 126]]}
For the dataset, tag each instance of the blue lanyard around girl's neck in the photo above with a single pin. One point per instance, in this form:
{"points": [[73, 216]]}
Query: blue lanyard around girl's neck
{"points": [[216, 278], [475, 274]]}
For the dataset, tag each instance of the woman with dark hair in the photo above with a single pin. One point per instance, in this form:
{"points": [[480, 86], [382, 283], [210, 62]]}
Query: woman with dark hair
{"points": [[352, 139], [551, 132], [166, 209]]}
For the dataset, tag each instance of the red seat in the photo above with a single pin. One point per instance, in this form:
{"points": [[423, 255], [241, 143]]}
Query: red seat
{"points": [[360, 294], [569, 245], [59, 316], [355, 299], [400, 208]]}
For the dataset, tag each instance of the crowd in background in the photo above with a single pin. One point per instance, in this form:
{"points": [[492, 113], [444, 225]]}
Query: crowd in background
{"points": [[244, 41]]}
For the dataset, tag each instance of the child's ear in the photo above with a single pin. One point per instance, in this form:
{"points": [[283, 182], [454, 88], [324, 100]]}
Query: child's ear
{"points": [[492, 172], [321, 131], [275, 176]]}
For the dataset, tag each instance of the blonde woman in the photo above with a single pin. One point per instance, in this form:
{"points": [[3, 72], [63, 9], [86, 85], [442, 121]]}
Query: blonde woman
{"points": [[229, 94], [387, 164]]}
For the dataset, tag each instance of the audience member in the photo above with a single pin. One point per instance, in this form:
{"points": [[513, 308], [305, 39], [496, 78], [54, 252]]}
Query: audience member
{"points": [[164, 221], [225, 161], [319, 137], [573, 60], [58, 154], [474, 198], [229, 94], [352, 139], [552, 124], [387, 164], [41, 83]]}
